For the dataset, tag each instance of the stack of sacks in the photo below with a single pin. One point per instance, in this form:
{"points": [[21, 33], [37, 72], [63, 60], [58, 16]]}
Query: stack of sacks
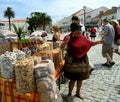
{"points": [[51, 45], [36, 59], [58, 57], [20, 55], [44, 54], [33, 49], [7, 64], [24, 75], [5, 46], [44, 46], [27, 51], [46, 84]]}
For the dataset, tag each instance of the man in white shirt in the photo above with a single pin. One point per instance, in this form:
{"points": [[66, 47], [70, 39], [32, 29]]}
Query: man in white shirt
{"points": [[75, 19]]}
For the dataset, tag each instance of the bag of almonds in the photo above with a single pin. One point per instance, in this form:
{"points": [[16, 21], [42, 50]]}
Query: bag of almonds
{"points": [[45, 81], [24, 75], [7, 65]]}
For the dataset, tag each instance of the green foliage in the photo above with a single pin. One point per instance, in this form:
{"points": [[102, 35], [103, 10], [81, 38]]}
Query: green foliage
{"points": [[23, 40], [18, 31], [38, 19]]}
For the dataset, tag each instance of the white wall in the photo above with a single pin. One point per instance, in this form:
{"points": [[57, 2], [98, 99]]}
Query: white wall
{"points": [[118, 14]]}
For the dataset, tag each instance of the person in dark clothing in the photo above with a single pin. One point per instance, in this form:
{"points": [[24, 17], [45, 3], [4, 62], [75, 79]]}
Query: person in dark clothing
{"points": [[77, 47]]}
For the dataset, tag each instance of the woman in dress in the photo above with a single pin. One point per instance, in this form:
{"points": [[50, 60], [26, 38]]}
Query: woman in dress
{"points": [[77, 47]]}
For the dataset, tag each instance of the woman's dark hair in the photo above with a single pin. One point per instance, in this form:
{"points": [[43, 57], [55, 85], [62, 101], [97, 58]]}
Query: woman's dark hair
{"points": [[74, 18], [74, 27]]}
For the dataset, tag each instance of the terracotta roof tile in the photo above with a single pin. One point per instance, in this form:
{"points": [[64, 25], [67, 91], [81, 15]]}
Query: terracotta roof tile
{"points": [[19, 20]]}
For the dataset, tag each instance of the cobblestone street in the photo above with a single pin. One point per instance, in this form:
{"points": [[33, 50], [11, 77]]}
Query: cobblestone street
{"points": [[103, 84]]}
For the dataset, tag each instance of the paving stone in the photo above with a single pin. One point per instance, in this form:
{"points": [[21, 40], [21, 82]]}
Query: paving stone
{"points": [[112, 100], [103, 84], [103, 100]]}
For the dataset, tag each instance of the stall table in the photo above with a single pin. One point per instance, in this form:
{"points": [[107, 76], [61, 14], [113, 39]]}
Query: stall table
{"points": [[9, 93]]}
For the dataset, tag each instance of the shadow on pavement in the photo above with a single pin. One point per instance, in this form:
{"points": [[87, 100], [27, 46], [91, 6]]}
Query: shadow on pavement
{"points": [[117, 88], [100, 67]]}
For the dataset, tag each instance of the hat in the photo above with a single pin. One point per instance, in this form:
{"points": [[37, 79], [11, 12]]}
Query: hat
{"points": [[75, 18], [74, 27], [115, 21]]}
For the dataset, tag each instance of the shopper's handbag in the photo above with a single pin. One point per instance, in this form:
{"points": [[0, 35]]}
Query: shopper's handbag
{"points": [[75, 67]]}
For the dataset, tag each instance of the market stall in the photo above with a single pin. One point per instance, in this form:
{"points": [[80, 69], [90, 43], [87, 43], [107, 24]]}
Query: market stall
{"points": [[8, 89], [8, 85]]}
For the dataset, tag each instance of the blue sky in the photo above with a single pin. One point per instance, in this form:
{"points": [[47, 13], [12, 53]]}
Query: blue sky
{"points": [[57, 9]]}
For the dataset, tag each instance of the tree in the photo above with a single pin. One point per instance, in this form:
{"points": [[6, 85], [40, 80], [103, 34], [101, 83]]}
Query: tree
{"points": [[45, 20], [18, 30], [9, 13], [38, 20]]}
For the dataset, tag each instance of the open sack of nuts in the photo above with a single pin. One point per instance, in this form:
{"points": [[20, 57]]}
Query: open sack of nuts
{"points": [[24, 75], [46, 84], [58, 56], [24, 71], [7, 63]]}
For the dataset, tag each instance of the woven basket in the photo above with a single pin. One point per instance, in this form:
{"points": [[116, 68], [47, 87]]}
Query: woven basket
{"points": [[5, 46]]}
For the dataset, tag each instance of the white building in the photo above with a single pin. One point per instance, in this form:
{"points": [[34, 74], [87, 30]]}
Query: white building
{"points": [[118, 13], [65, 22], [90, 15], [18, 23], [86, 13], [110, 14]]}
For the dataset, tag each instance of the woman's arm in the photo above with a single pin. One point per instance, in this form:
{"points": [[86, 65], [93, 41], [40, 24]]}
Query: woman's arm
{"points": [[103, 33], [98, 42], [57, 36], [65, 42]]}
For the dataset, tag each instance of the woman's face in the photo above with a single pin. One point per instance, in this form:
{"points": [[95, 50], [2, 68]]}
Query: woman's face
{"points": [[77, 33]]}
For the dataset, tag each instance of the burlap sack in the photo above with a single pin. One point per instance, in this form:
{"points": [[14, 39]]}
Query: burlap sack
{"points": [[24, 75]]}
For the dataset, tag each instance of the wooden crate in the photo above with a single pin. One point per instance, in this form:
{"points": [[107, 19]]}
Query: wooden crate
{"points": [[5, 46]]}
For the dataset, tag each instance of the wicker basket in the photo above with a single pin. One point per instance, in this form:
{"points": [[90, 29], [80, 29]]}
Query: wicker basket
{"points": [[5, 46]]}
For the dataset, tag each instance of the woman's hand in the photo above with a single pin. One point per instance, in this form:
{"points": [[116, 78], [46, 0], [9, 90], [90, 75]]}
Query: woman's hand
{"points": [[65, 42], [67, 39], [101, 41]]}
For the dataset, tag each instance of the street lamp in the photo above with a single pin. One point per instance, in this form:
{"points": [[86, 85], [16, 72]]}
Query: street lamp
{"points": [[100, 15], [84, 9]]}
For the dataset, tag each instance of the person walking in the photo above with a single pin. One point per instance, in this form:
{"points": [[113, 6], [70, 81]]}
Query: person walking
{"points": [[108, 35], [77, 48], [56, 36], [93, 33], [116, 26]]}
